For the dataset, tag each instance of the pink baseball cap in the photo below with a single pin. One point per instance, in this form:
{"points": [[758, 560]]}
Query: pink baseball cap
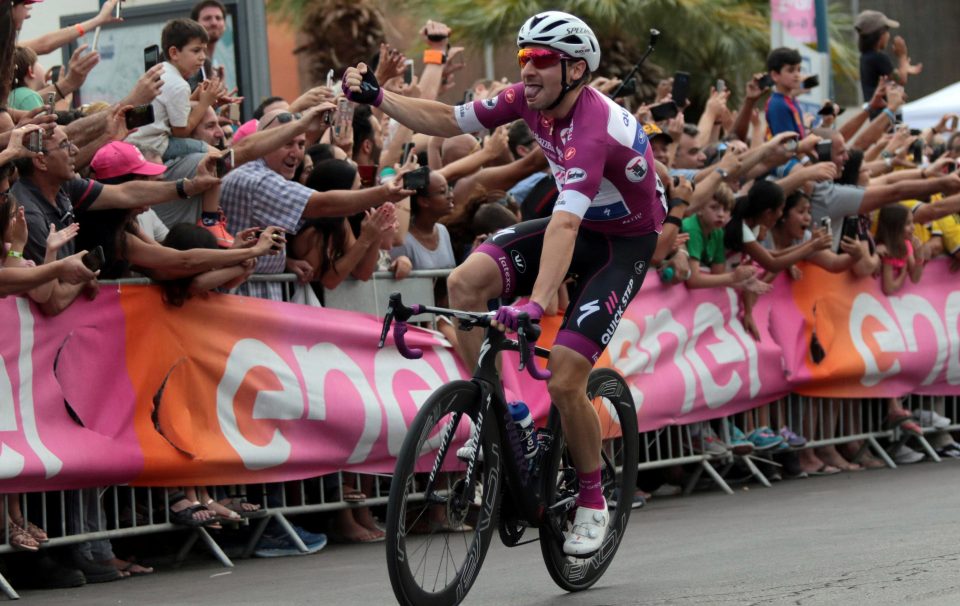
{"points": [[118, 158], [246, 129]]}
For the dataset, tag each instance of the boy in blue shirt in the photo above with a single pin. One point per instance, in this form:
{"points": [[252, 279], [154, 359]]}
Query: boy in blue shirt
{"points": [[783, 65]]}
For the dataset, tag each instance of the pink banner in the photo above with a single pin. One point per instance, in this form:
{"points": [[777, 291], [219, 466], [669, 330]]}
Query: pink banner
{"points": [[126, 389]]}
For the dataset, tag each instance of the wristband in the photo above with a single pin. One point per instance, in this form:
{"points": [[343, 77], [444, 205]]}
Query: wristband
{"points": [[59, 92], [673, 221], [182, 189], [80, 29], [675, 202], [14, 254], [890, 115], [434, 57]]}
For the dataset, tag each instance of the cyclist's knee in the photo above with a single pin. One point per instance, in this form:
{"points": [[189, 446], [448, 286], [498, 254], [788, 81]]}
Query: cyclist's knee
{"points": [[569, 380], [474, 283]]}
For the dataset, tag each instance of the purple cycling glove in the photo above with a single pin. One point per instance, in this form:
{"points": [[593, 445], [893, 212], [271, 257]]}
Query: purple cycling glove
{"points": [[370, 91], [508, 314]]}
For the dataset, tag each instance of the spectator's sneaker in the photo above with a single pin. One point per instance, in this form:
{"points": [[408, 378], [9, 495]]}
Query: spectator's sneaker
{"points": [[465, 452], [588, 532], [929, 418], [708, 443], [792, 439], [739, 444], [906, 455], [638, 500], [219, 231], [93, 572], [270, 546], [951, 450], [763, 438]]}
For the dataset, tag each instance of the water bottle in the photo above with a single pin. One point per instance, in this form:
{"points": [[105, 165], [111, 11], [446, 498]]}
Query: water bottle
{"points": [[528, 431]]}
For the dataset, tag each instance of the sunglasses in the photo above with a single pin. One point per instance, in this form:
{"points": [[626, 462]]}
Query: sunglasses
{"points": [[282, 118], [542, 58]]}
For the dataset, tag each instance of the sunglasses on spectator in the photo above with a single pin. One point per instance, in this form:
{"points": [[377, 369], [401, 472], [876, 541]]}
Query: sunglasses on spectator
{"points": [[283, 118], [66, 144], [542, 58]]}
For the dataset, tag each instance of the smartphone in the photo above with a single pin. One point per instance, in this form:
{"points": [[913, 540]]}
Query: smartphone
{"points": [[330, 79], [916, 151], [225, 164], [405, 152], [811, 82], [35, 141], [825, 223], [825, 151], [408, 71], [681, 88], [55, 73], [151, 57], [140, 115], [94, 260], [203, 74], [96, 38], [849, 229], [328, 117], [436, 37], [417, 179], [233, 112], [664, 111], [765, 81], [791, 145], [344, 115], [116, 11], [721, 85], [51, 102]]}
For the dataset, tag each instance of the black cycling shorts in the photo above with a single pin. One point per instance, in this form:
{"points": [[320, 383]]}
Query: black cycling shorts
{"points": [[606, 271]]}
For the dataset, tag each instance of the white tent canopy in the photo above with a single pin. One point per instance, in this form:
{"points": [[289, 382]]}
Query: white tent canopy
{"points": [[928, 110]]}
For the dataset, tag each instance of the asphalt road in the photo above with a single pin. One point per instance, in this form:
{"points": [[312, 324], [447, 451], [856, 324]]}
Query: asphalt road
{"points": [[871, 537]]}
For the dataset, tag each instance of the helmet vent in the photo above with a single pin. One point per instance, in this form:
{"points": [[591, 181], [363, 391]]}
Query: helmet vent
{"points": [[552, 26]]}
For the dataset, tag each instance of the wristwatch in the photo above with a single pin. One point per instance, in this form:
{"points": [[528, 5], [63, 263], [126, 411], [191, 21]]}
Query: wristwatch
{"points": [[675, 202], [182, 189], [723, 173]]}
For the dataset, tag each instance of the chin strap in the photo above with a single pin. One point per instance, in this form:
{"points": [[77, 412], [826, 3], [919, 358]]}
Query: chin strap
{"points": [[565, 86]]}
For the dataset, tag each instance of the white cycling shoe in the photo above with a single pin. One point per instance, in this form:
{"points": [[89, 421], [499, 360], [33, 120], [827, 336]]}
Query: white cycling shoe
{"points": [[589, 530]]}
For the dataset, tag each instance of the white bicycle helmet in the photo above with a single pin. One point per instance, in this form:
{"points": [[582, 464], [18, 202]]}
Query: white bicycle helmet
{"points": [[563, 32]]}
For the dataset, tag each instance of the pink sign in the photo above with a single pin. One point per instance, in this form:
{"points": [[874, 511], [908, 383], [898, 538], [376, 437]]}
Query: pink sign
{"points": [[798, 18]]}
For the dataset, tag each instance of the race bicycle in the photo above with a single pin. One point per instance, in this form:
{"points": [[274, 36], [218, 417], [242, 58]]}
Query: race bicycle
{"points": [[446, 499]]}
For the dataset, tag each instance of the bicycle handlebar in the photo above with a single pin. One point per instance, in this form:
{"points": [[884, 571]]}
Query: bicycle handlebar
{"points": [[527, 332]]}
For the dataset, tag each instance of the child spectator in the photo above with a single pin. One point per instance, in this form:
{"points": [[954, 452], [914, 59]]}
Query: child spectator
{"points": [[706, 244], [782, 112], [793, 228], [28, 77], [895, 241]]}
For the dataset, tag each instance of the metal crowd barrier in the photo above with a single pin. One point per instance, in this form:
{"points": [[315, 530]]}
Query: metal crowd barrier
{"points": [[124, 511]]}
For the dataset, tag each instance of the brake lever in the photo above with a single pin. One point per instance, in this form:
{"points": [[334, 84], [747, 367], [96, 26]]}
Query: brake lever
{"points": [[387, 320]]}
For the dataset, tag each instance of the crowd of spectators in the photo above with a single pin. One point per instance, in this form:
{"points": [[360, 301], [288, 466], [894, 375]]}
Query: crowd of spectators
{"points": [[315, 186]]}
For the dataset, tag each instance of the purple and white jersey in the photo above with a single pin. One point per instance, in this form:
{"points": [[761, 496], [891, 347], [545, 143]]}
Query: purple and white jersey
{"points": [[599, 156]]}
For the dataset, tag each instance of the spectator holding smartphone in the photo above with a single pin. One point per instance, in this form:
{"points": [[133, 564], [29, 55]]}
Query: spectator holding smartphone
{"points": [[28, 78], [783, 66], [873, 29]]}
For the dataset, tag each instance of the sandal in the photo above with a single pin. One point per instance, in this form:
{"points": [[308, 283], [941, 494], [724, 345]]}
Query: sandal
{"points": [[21, 539], [223, 513], [351, 495], [188, 515], [241, 506], [38, 534]]}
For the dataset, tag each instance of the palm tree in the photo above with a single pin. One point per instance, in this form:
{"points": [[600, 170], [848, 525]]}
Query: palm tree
{"points": [[711, 39], [336, 33]]}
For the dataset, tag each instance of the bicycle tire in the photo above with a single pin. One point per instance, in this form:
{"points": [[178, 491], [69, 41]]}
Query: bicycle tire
{"points": [[606, 388], [415, 581]]}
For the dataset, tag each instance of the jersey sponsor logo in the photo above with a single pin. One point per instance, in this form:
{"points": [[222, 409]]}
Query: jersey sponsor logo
{"points": [[625, 116], [518, 261], [462, 110], [504, 232], [607, 212], [569, 153], [617, 313], [640, 141], [510, 95], [577, 30], [566, 134], [491, 102], [544, 144], [588, 309], [636, 169], [574, 175], [505, 272], [639, 267]]}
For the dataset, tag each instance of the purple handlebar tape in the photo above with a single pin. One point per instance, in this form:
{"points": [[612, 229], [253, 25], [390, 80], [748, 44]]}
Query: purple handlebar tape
{"points": [[411, 353]]}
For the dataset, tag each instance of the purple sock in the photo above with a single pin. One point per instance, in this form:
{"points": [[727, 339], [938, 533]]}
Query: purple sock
{"points": [[591, 493]]}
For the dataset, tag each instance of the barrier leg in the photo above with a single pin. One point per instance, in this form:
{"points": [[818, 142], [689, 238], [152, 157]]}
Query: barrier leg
{"points": [[747, 460], [716, 477], [928, 448], [187, 546], [288, 528], [8, 589], [213, 547], [255, 537], [880, 452], [694, 478]]}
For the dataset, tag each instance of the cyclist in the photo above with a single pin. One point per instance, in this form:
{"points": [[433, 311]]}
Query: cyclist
{"points": [[602, 232]]}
